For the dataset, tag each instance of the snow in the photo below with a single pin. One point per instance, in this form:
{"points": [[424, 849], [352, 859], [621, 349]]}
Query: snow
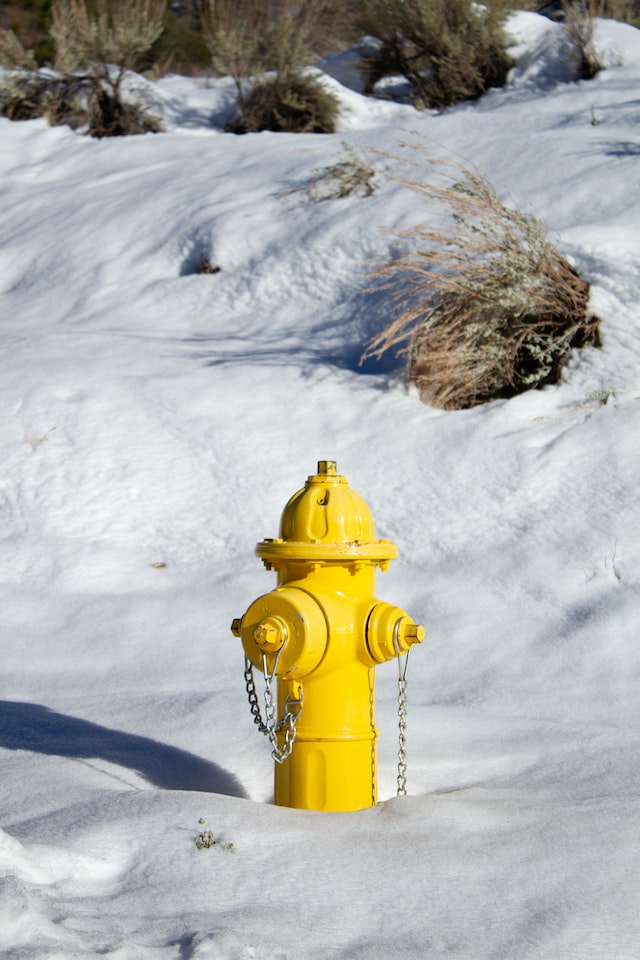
{"points": [[155, 422]]}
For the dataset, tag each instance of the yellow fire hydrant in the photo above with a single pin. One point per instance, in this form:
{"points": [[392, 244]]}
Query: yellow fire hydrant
{"points": [[320, 634]]}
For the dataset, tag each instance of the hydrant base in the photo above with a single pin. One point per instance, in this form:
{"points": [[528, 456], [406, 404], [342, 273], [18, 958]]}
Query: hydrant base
{"points": [[329, 775]]}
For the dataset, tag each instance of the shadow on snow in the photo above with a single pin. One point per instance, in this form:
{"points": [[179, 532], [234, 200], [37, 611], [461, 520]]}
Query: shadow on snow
{"points": [[29, 726]]}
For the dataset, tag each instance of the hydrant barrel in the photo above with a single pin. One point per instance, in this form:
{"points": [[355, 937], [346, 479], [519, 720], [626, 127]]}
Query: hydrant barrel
{"points": [[319, 635]]}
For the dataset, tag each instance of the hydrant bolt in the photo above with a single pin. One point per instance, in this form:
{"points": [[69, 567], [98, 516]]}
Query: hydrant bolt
{"points": [[270, 634], [236, 624], [410, 633]]}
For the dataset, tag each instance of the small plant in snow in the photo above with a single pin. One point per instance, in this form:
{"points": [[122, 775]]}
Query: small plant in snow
{"points": [[205, 839], [205, 265], [25, 95], [600, 396], [350, 175]]}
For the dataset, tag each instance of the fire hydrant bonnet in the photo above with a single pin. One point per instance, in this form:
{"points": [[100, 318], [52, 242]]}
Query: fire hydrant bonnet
{"points": [[326, 520]]}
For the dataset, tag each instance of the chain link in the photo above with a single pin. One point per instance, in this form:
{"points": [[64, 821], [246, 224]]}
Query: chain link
{"points": [[270, 727]]}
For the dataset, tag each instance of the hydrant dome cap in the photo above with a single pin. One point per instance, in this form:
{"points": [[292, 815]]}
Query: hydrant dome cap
{"points": [[326, 519]]}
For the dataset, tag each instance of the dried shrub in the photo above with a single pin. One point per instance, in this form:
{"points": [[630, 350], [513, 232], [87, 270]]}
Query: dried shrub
{"points": [[21, 99], [265, 49], [295, 104], [448, 50], [96, 45], [29, 20], [486, 308], [27, 95], [180, 48], [247, 38], [626, 11], [579, 21], [234, 33], [579, 18], [111, 117], [106, 39], [13, 54]]}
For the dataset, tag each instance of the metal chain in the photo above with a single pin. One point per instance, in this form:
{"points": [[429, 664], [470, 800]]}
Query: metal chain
{"points": [[402, 725], [252, 695], [403, 663], [374, 752], [293, 709]]}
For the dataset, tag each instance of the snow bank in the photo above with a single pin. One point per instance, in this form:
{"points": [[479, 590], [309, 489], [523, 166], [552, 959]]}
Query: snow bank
{"points": [[157, 420]]}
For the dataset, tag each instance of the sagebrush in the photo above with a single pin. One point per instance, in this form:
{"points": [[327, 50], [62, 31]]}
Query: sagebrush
{"points": [[448, 50], [27, 95], [293, 104], [265, 49], [581, 48], [13, 54], [96, 44], [106, 39], [484, 307]]}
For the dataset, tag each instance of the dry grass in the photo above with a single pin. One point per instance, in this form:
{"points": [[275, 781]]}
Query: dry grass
{"points": [[625, 11], [486, 307]]}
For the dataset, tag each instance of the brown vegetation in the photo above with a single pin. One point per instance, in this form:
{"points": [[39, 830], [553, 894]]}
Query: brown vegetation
{"points": [[265, 49], [448, 50], [485, 308]]}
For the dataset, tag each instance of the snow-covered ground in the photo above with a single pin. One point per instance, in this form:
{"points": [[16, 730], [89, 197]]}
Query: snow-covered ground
{"points": [[156, 420]]}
